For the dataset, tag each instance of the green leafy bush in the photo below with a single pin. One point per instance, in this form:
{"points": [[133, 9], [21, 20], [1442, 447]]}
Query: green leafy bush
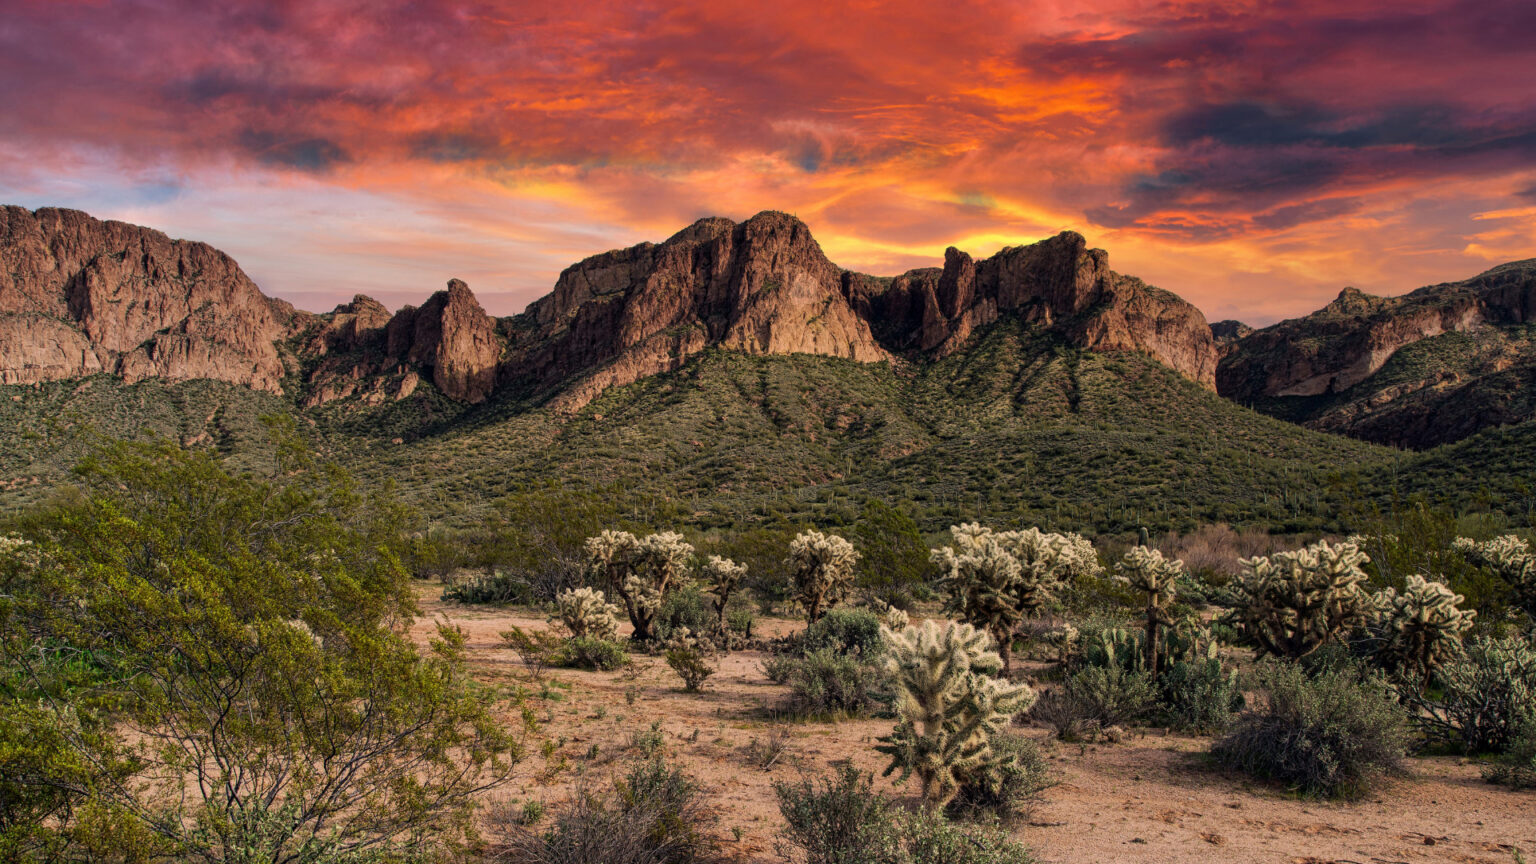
{"points": [[1517, 768], [1200, 696], [585, 652], [654, 815], [1004, 785], [842, 820], [847, 631], [829, 683], [685, 608], [1330, 735], [1110, 695]]}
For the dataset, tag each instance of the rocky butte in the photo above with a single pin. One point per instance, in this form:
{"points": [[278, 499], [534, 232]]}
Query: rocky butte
{"points": [[80, 296]]}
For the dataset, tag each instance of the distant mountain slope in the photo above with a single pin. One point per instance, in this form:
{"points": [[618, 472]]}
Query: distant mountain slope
{"points": [[80, 296], [1426, 368]]}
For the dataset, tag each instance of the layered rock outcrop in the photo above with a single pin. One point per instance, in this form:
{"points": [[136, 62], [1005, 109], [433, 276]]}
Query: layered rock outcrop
{"points": [[1334, 370], [83, 296], [80, 296]]}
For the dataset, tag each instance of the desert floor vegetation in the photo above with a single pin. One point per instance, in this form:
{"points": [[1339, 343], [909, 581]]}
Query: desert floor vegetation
{"points": [[202, 665]]}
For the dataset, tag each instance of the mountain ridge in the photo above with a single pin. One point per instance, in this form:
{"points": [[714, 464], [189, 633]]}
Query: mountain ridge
{"points": [[130, 301]]}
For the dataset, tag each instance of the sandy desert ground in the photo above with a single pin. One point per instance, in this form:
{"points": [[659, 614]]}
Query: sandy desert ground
{"points": [[1151, 798]]}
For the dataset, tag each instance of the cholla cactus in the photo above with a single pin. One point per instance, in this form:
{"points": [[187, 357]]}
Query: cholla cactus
{"points": [[688, 656], [721, 576], [1511, 558], [949, 707], [587, 613], [1065, 640], [1422, 626], [1147, 571], [821, 570], [997, 578], [894, 619], [640, 570], [1292, 603]]}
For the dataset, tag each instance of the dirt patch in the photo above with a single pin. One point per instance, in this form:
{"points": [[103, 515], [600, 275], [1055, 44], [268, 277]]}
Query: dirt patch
{"points": [[1152, 798]]}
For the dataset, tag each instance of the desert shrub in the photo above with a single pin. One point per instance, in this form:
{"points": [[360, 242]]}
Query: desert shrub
{"points": [[893, 561], [502, 587], [928, 838], [1066, 719], [1485, 695], [1517, 767], [739, 621], [174, 619], [1110, 695], [585, 652], [842, 820], [838, 820], [827, 682], [1004, 785], [654, 815], [849, 631], [688, 609], [537, 648], [779, 668], [1200, 695], [688, 657], [1331, 735]]}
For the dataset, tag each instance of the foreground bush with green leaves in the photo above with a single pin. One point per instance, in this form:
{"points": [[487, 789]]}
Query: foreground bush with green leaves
{"points": [[841, 820], [1329, 735], [203, 666]]}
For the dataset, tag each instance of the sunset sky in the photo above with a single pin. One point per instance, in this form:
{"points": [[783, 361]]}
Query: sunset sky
{"points": [[1254, 157]]}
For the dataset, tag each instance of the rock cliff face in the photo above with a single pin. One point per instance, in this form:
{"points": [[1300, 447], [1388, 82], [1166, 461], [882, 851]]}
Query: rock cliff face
{"points": [[1059, 283], [1395, 369], [80, 296]]}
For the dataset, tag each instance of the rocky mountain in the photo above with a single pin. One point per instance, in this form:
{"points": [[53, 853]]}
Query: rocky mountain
{"points": [[85, 296], [1421, 369], [80, 296]]}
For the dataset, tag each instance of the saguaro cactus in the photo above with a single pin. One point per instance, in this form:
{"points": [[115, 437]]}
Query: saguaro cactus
{"points": [[1292, 603], [996, 578], [1421, 627], [1511, 558], [721, 576], [821, 570], [1156, 577], [949, 707], [587, 613], [641, 571]]}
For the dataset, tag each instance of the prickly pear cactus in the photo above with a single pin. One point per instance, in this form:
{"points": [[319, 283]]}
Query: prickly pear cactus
{"points": [[821, 570], [1146, 570], [1292, 603], [588, 613], [949, 706], [1421, 628]]}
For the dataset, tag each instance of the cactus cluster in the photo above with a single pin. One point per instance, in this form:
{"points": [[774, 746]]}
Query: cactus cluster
{"points": [[894, 619], [721, 576], [587, 613], [1511, 558], [1421, 627], [1292, 603], [821, 570], [1146, 571], [950, 707], [995, 579], [640, 570]]}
